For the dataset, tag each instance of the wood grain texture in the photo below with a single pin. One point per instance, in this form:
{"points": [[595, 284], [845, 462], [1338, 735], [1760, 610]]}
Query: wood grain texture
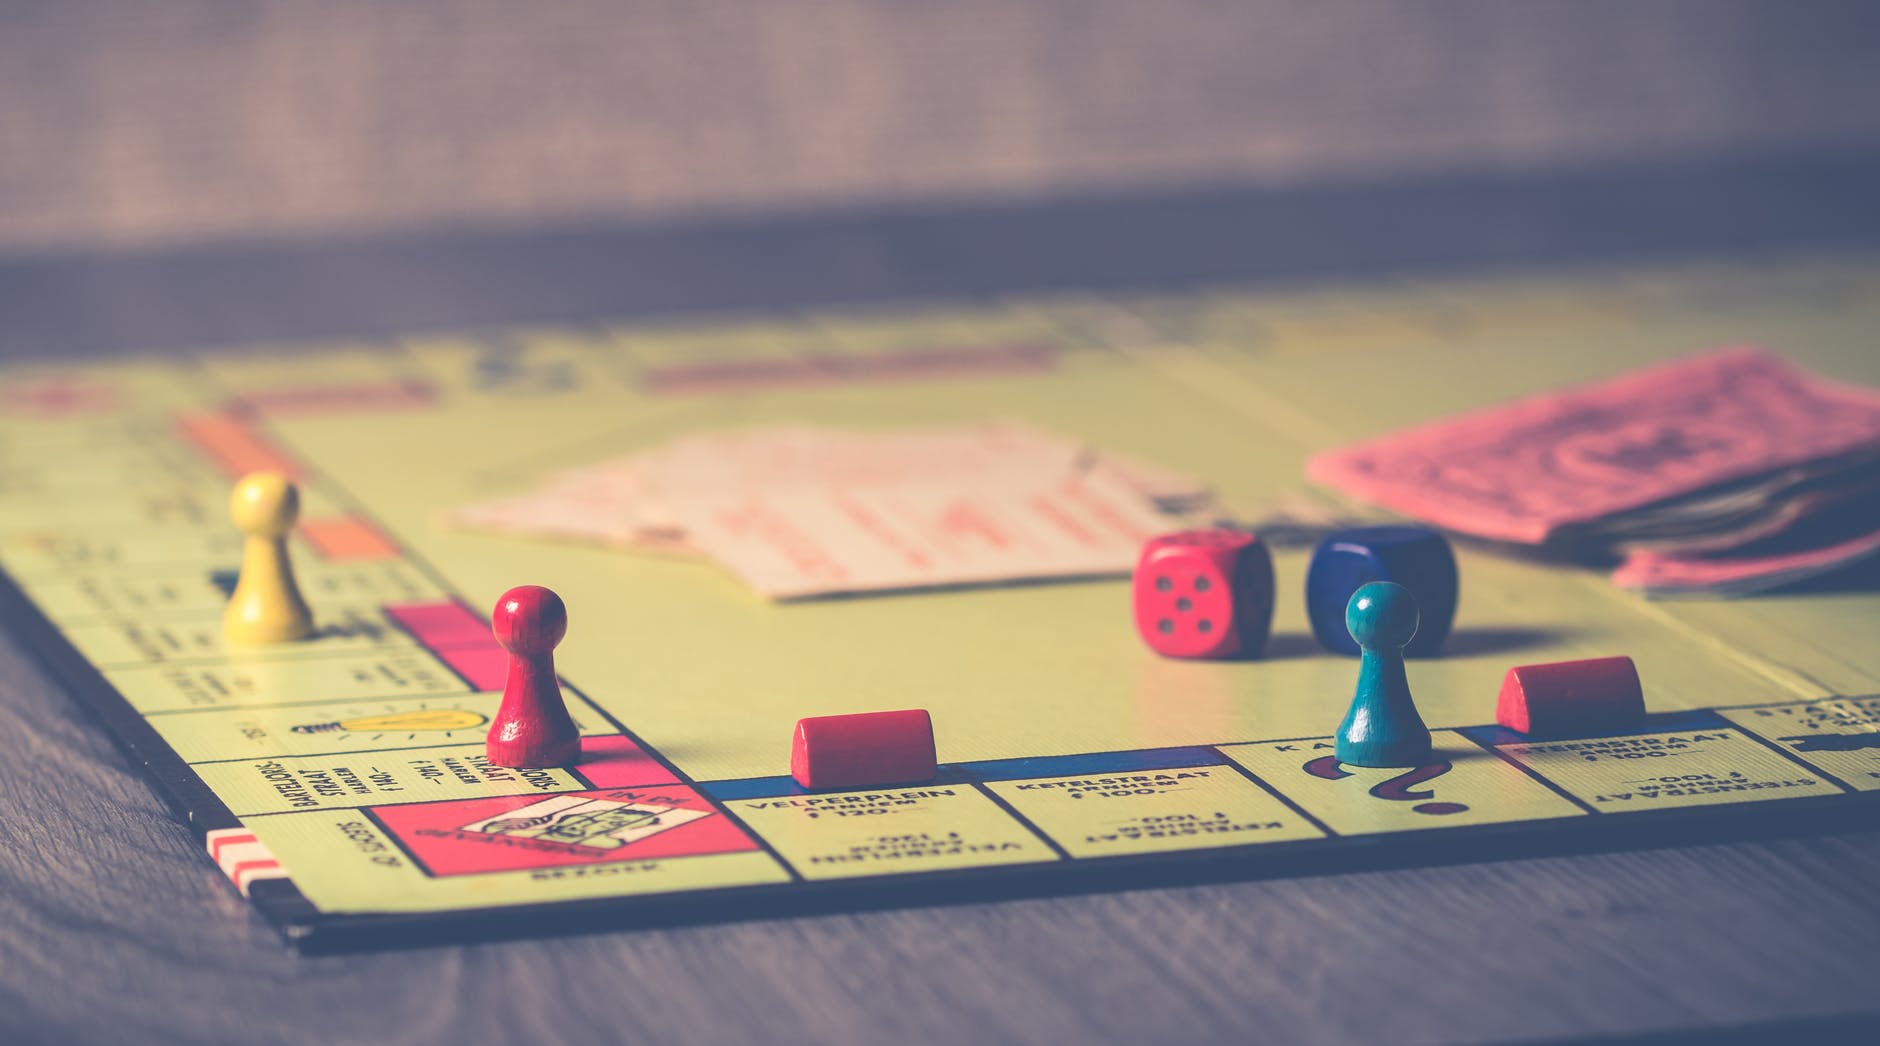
{"points": [[125, 122], [113, 925]]}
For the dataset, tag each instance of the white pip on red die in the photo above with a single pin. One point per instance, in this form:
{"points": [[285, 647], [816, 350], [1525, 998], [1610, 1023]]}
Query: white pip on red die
{"points": [[1205, 594]]}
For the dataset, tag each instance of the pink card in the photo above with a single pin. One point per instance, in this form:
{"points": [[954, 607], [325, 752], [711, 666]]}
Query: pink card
{"points": [[932, 532], [1524, 470], [1736, 575], [801, 511]]}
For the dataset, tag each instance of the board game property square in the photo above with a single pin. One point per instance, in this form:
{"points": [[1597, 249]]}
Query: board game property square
{"points": [[483, 667], [512, 833], [616, 762], [357, 755], [343, 538], [442, 624]]}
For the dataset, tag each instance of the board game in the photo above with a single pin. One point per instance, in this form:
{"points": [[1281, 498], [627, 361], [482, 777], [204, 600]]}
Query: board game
{"points": [[340, 782]]}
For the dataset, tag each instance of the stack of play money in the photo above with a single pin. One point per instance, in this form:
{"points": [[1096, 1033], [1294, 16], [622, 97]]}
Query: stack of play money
{"points": [[1720, 474]]}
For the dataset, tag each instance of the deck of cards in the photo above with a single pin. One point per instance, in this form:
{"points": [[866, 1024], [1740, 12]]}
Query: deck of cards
{"points": [[1725, 473], [800, 511]]}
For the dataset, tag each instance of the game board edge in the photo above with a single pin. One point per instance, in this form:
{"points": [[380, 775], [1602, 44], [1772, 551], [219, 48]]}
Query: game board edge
{"points": [[174, 781], [311, 930], [343, 932]]}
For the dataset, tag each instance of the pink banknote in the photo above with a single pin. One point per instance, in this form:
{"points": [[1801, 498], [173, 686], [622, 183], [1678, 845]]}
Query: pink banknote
{"points": [[799, 511], [1526, 470], [1663, 575]]}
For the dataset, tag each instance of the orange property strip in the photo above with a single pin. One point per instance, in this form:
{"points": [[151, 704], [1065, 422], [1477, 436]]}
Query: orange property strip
{"points": [[347, 538], [443, 625], [235, 447]]}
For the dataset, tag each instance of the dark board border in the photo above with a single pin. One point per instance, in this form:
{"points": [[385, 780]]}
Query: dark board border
{"points": [[104, 302]]}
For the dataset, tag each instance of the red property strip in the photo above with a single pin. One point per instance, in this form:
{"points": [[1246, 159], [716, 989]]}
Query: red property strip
{"points": [[457, 636], [442, 625], [483, 667], [831, 369], [616, 762], [342, 399]]}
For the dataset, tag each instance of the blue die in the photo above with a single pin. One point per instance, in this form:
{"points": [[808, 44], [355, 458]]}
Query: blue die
{"points": [[1417, 558]]}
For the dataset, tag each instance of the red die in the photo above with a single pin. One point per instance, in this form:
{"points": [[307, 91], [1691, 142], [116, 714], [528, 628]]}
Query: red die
{"points": [[1205, 594]]}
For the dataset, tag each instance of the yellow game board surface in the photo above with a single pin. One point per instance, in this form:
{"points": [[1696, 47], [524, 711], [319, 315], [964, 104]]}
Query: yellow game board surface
{"points": [[343, 777]]}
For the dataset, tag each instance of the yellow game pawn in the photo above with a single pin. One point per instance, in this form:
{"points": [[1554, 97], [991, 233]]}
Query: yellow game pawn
{"points": [[266, 606]]}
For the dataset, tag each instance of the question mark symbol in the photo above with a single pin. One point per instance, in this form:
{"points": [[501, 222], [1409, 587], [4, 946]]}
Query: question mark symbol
{"points": [[1397, 789]]}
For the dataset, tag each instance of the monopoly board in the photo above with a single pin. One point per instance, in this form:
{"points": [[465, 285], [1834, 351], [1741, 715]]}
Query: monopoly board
{"points": [[340, 782]]}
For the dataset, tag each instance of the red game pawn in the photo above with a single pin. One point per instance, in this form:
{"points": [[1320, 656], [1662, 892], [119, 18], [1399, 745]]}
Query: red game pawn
{"points": [[1205, 594], [864, 750], [532, 728], [1572, 698]]}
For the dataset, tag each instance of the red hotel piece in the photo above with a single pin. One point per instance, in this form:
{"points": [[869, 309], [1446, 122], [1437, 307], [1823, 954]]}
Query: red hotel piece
{"points": [[1572, 698], [863, 750]]}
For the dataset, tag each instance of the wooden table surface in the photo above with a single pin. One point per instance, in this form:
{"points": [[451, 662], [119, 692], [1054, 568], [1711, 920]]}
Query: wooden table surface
{"points": [[114, 926]]}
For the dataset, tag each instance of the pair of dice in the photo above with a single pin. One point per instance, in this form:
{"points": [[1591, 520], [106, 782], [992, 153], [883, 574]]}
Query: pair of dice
{"points": [[1209, 593]]}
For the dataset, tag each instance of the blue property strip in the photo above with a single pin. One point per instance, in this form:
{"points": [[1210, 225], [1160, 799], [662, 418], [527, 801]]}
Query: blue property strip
{"points": [[990, 770], [1098, 763], [770, 787], [1661, 723]]}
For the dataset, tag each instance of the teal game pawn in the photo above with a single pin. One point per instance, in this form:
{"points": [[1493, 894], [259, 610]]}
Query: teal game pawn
{"points": [[1382, 728]]}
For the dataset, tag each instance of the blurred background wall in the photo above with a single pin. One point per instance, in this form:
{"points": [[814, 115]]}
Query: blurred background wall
{"points": [[186, 120]]}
